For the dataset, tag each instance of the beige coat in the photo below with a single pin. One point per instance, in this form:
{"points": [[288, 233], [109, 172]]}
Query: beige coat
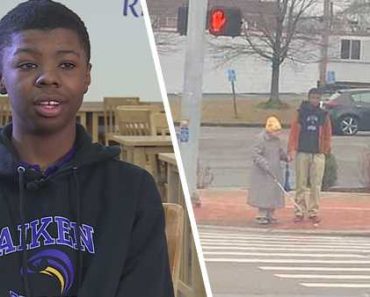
{"points": [[267, 155]]}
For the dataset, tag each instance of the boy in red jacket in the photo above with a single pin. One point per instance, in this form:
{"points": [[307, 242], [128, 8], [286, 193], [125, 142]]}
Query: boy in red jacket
{"points": [[309, 142]]}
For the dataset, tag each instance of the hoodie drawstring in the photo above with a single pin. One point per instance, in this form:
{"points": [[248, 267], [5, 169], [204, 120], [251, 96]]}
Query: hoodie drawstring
{"points": [[76, 197], [78, 230], [21, 170]]}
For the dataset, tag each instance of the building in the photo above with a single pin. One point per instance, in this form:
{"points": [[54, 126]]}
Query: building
{"points": [[349, 59]]}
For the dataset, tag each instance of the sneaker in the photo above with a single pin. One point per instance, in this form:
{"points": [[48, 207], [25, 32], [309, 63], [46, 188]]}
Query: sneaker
{"points": [[272, 220], [298, 219], [263, 221], [315, 219]]}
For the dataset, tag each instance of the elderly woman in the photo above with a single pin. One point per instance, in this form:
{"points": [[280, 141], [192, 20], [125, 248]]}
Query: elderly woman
{"points": [[267, 154]]}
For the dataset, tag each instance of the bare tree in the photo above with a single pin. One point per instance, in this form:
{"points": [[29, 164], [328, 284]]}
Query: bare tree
{"points": [[357, 13], [274, 40], [275, 36]]}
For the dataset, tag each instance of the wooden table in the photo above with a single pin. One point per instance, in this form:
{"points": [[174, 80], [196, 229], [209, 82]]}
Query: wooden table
{"points": [[143, 150]]}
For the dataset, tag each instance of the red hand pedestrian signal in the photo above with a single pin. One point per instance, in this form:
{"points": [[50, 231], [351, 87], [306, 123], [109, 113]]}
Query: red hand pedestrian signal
{"points": [[218, 21]]}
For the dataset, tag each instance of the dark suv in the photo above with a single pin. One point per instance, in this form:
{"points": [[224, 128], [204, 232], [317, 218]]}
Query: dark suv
{"points": [[349, 111]]}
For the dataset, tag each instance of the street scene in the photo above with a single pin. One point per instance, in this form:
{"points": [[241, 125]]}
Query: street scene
{"points": [[233, 169], [271, 102]]}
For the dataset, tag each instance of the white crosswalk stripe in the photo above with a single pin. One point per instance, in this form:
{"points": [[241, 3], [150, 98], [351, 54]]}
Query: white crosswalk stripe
{"points": [[314, 261]]}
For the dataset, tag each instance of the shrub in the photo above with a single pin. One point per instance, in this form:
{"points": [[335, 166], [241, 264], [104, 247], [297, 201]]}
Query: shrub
{"points": [[364, 166], [330, 172], [204, 176]]}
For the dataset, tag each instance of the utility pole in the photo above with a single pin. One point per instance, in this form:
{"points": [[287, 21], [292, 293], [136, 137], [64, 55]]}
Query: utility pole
{"points": [[325, 43], [191, 102]]}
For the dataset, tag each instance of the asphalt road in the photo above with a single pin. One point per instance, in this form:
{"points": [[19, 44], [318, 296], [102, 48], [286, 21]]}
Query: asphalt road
{"points": [[226, 152], [242, 262]]}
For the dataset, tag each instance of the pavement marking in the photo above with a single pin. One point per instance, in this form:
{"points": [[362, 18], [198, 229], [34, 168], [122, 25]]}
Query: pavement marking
{"points": [[280, 236], [283, 240], [324, 276], [331, 255], [334, 285], [293, 249], [267, 243], [294, 261], [290, 206], [309, 268], [311, 261]]}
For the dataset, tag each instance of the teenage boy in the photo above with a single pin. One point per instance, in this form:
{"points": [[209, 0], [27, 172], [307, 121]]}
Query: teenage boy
{"points": [[309, 141], [74, 220]]}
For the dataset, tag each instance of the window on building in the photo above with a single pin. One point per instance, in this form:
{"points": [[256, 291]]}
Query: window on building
{"points": [[350, 49]]}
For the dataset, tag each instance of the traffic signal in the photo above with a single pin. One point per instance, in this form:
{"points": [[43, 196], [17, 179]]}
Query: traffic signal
{"points": [[221, 21], [225, 21], [182, 20]]}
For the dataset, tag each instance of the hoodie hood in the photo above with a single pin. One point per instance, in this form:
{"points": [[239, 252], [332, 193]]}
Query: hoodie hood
{"points": [[86, 152], [306, 109]]}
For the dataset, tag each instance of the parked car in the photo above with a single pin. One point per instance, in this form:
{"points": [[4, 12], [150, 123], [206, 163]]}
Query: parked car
{"points": [[349, 111], [330, 89]]}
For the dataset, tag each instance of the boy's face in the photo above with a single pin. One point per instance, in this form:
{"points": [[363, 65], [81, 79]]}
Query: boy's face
{"points": [[45, 74], [314, 98]]}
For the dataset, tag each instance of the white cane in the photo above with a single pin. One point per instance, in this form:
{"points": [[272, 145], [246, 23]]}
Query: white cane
{"points": [[286, 193]]}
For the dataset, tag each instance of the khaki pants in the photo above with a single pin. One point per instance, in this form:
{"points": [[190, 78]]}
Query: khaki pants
{"points": [[309, 167]]}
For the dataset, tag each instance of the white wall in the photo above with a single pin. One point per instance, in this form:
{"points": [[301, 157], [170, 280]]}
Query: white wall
{"points": [[121, 56]]}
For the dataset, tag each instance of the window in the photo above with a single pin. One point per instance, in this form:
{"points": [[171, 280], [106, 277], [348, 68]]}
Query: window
{"points": [[171, 22], [350, 49]]}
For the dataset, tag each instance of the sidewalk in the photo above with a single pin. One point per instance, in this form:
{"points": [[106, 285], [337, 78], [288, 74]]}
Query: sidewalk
{"points": [[347, 213]]}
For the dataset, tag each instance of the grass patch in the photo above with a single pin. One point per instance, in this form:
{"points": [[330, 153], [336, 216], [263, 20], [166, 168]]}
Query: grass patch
{"points": [[249, 111], [273, 104]]}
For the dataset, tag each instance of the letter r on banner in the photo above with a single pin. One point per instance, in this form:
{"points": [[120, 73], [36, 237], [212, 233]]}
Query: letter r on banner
{"points": [[132, 7]]}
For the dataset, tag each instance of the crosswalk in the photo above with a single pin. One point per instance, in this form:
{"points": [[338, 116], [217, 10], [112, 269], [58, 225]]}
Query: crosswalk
{"points": [[314, 261]]}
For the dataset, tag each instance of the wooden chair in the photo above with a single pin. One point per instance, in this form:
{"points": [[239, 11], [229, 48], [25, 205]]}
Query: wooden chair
{"points": [[133, 121], [153, 108], [174, 217], [110, 104], [5, 111], [159, 124]]}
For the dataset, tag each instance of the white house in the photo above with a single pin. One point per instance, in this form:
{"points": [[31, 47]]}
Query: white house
{"points": [[349, 58]]}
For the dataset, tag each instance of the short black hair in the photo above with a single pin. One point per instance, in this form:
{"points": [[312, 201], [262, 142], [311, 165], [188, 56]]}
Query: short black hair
{"points": [[42, 15], [314, 91]]}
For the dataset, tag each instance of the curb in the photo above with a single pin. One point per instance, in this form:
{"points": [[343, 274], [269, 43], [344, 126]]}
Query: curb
{"points": [[349, 233], [241, 125], [236, 125], [230, 125]]}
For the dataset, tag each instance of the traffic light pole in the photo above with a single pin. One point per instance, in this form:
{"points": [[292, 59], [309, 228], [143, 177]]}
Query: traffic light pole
{"points": [[325, 43], [192, 92]]}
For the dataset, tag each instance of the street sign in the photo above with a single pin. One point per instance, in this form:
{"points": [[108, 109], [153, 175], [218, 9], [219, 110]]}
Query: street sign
{"points": [[231, 74], [184, 131], [330, 77]]}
